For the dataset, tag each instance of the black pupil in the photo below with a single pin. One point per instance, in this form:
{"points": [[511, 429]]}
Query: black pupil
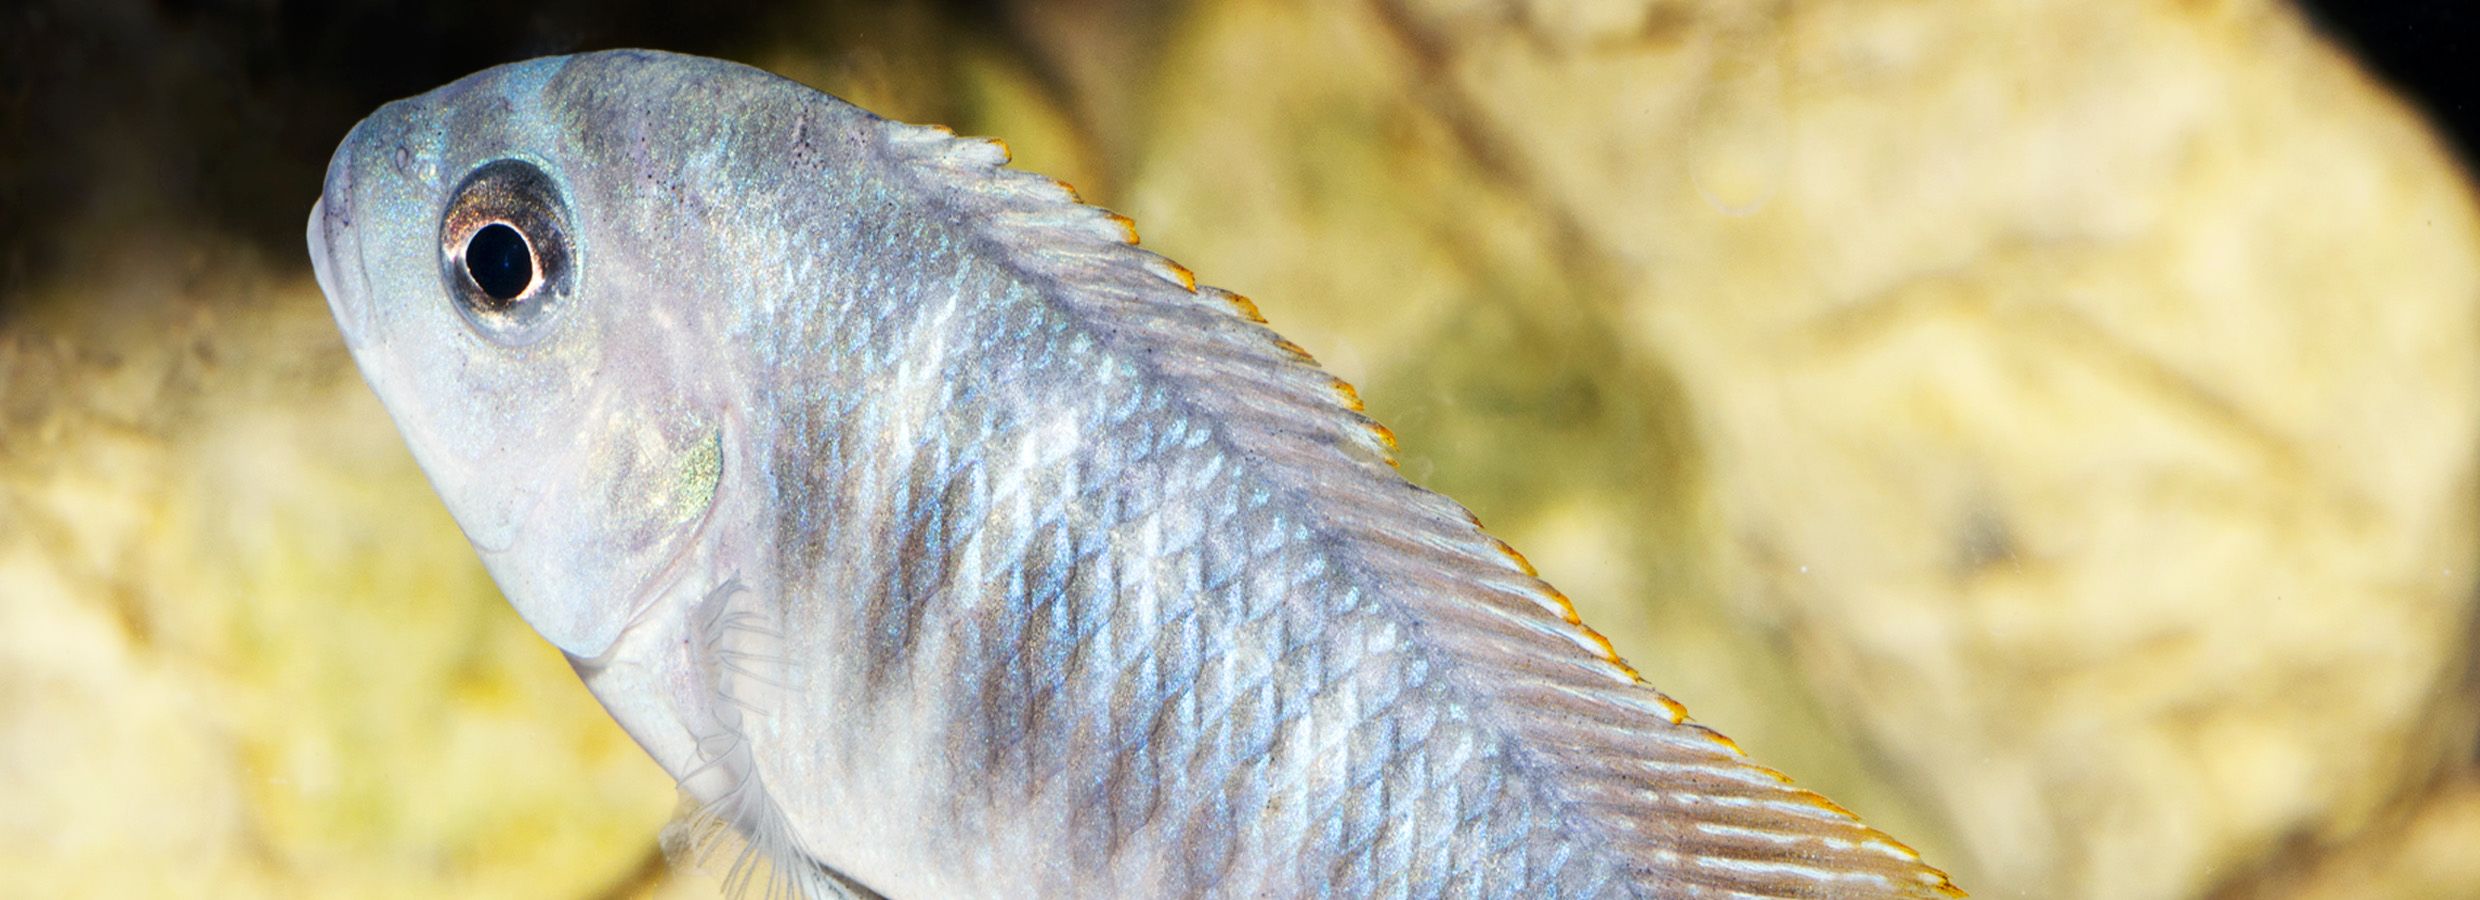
{"points": [[500, 261]]}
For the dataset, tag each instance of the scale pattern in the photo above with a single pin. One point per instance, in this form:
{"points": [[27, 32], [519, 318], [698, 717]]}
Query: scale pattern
{"points": [[1190, 615]]}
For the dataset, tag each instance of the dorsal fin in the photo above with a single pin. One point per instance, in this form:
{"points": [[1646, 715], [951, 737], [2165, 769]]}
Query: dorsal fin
{"points": [[1678, 804]]}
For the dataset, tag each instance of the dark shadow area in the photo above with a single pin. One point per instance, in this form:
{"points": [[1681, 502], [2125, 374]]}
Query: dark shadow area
{"points": [[2422, 47], [124, 120], [121, 117]]}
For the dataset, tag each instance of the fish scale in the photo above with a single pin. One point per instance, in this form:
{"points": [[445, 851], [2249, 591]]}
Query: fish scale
{"points": [[1029, 565]]}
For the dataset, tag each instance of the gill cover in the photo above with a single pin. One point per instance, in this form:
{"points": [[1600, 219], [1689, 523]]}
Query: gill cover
{"points": [[527, 356]]}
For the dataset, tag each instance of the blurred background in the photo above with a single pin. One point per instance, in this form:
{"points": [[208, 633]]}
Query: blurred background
{"points": [[2046, 427]]}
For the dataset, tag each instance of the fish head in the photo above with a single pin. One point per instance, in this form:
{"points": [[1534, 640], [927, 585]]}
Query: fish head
{"points": [[524, 276]]}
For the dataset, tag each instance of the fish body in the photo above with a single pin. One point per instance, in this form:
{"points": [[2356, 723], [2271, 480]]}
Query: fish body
{"points": [[941, 542]]}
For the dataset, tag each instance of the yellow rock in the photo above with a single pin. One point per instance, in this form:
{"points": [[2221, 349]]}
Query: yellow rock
{"points": [[2080, 397], [2423, 851], [2046, 427], [243, 651]]}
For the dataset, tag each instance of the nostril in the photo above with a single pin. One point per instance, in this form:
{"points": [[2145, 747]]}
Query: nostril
{"points": [[327, 230], [320, 264], [337, 194]]}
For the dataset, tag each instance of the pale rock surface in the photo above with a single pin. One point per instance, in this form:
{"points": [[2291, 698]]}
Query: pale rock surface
{"points": [[2080, 398], [2424, 851], [2045, 427], [243, 651]]}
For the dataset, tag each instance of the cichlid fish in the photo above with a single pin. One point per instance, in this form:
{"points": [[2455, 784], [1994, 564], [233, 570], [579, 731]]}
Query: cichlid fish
{"points": [[941, 542]]}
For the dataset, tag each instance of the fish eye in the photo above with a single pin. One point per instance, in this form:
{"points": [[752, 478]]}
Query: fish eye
{"points": [[505, 251], [501, 261]]}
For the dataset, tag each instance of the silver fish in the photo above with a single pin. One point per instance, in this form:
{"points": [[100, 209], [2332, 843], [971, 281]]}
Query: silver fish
{"points": [[941, 542]]}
